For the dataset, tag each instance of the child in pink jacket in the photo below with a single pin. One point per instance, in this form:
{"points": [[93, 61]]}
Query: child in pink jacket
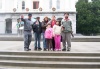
{"points": [[48, 36]]}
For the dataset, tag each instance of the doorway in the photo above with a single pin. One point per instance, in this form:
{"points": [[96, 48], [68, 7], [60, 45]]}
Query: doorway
{"points": [[8, 29]]}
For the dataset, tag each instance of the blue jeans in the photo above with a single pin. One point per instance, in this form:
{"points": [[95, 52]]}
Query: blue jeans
{"points": [[37, 37], [44, 41], [27, 39]]}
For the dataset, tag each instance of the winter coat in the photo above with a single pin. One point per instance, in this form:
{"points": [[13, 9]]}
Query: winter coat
{"points": [[37, 28], [49, 33]]}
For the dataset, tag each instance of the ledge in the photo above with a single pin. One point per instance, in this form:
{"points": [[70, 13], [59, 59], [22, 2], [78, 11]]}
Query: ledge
{"points": [[37, 12]]}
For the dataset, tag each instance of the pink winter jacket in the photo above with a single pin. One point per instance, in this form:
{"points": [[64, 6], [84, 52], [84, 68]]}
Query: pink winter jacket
{"points": [[49, 33]]}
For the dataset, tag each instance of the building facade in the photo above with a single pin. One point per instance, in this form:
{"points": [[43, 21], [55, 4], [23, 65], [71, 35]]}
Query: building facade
{"points": [[11, 10]]}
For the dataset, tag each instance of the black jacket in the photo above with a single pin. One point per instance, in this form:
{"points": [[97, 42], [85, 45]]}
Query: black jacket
{"points": [[44, 25], [37, 28]]}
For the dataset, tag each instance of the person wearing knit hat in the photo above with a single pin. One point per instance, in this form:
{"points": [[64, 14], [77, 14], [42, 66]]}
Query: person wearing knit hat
{"points": [[37, 29]]}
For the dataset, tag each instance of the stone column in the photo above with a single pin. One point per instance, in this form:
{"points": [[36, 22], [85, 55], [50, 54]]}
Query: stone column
{"points": [[3, 6], [14, 22], [2, 24], [19, 9], [15, 4]]}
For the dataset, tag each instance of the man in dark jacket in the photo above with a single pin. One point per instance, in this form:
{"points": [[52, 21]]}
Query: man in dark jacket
{"points": [[37, 28], [27, 31]]}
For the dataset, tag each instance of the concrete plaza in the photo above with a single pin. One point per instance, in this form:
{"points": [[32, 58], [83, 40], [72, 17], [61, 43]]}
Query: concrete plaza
{"points": [[76, 46]]}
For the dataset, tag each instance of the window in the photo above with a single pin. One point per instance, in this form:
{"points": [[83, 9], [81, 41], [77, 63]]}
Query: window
{"points": [[23, 5], [0, 4], [35, 4], [50, 4], [58, 4]]}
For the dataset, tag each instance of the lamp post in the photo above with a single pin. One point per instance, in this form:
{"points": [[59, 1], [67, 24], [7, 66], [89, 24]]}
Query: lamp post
{"points": [[14, 9], [53, 9], [40, 9], [27, 9]]}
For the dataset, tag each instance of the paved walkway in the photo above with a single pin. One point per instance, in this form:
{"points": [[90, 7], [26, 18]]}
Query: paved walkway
{"points": [[76, 46]]}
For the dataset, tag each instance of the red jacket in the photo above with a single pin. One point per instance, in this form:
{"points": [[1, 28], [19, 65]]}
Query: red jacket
{"points": [[53, 22]]}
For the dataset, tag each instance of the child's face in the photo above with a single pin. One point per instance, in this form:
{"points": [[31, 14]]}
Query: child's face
{"points": [[57, 23], [49, 26]]}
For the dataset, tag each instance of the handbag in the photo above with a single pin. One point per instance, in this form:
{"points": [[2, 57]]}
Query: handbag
{"points": [[61, 39]]}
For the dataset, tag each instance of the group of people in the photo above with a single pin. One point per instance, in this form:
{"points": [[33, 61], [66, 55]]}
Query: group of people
{"points": [[53, 31], [20, 25]]}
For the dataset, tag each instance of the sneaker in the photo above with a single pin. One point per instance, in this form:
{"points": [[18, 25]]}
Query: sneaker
{"points": [[29, 49], [59, 49], [51, 49], [68, 49], [63, 49], [39, 49], [35, 49], [26, 49], [45, 49], [56, 49]]}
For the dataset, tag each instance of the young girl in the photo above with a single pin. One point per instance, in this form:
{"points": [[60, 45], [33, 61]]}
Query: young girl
{"points": [[57, 35], [48, 36]]}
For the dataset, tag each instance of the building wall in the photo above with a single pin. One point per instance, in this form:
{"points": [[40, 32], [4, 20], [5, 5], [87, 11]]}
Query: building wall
{"points": [[14, 18], [6, 11], [2, 24], [65, 5]]}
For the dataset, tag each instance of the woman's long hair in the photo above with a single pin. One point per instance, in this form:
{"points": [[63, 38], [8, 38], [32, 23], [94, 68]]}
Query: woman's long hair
{"points": [[45, 20]]}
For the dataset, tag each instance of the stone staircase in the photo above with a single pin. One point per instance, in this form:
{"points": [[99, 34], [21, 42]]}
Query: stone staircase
{"points": [[49, 60]]}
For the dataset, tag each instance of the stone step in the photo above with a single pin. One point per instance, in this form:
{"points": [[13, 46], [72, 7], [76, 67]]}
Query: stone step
{"points": [[50, 64], [50, 58], [48, 53], [75, 39], [16, 67]]}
